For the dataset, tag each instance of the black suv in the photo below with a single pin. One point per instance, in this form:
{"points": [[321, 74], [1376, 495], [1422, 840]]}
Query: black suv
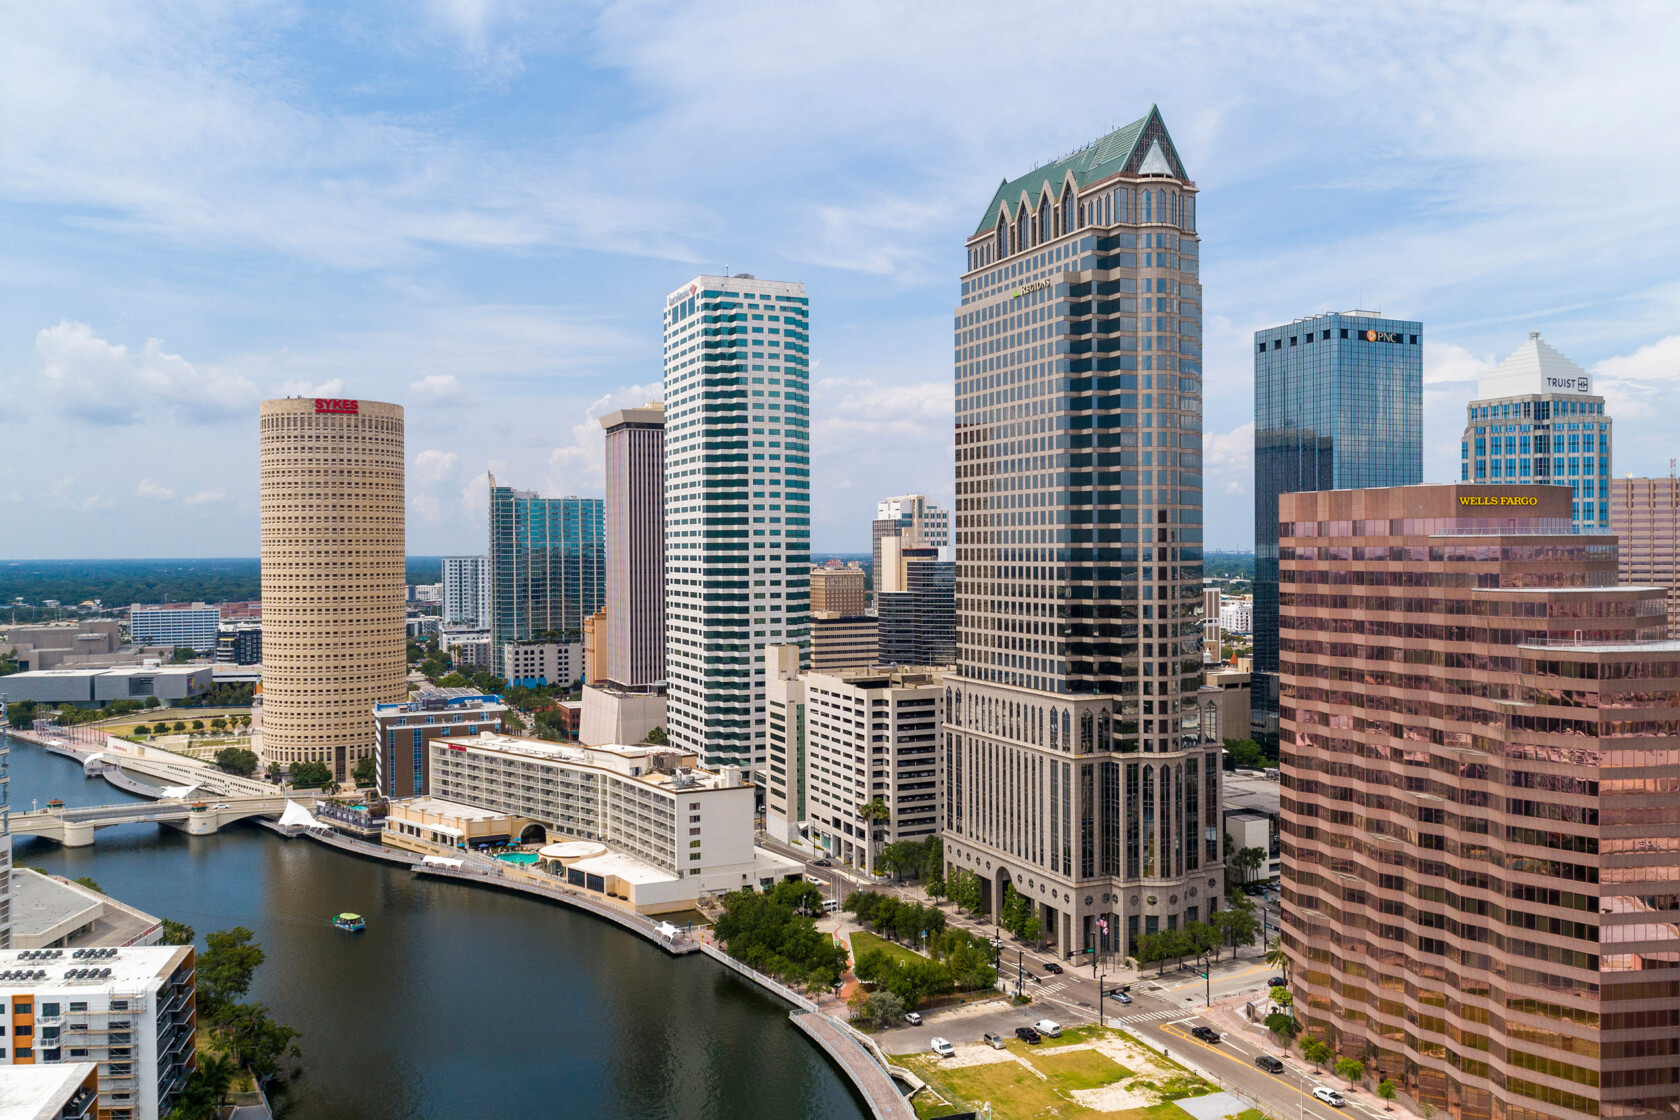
{"points": [[1026, 1034], [1268, 1063], [1206, 1034]]}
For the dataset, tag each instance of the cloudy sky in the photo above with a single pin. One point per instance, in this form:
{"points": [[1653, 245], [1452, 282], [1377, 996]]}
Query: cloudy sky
{"points": [[474, 208]]}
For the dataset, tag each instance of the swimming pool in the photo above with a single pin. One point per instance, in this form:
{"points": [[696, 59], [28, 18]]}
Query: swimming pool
{"points": [[523, 859]]}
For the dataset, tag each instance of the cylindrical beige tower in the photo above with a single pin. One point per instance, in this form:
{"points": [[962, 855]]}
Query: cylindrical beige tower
{"points": [[333, 569]]}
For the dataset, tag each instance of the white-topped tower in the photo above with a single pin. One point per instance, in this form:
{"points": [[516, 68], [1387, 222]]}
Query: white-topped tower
{"points": [[1535, 419], [737, 505]]}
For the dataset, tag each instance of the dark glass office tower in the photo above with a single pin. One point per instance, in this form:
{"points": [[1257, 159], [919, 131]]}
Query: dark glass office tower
{"points": [[918, 625], [1338, 405], [548, 565]]}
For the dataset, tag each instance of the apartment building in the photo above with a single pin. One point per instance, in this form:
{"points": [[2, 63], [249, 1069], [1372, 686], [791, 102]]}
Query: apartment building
{"points": [[839, 590], [466, 591], [635, 527], [1480, 800], [872, 735], [840, 641], [130, 1011]]}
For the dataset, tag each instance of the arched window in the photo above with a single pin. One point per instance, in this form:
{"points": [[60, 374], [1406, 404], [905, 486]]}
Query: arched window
{"points": [[1086, 731], [1002, 238], [1044, 233], [1067, 728], [1023, 229], [1210, 722], [1161, 206], [1102, 730], [1148, 207], [1055, 740], [1067, 208]]}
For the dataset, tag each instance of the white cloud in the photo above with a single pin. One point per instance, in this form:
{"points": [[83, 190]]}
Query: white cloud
{"points": [[207, 497], [439, 388], [86, 377], [429, 509], [580, 466], [1446, 364], [150, 489], [1660, 361], [332, 387], [433, 466]]}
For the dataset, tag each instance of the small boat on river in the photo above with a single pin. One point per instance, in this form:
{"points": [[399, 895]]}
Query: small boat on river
{"points": [[349, 923]]}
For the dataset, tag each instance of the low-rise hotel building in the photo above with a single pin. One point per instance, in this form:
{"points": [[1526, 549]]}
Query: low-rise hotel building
{"points": [[132, 1012], [1481, 801], [404, 730], [653, 804]]}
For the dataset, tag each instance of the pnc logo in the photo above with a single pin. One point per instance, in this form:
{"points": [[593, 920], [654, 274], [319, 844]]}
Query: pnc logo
{"points": [[329, 407]]}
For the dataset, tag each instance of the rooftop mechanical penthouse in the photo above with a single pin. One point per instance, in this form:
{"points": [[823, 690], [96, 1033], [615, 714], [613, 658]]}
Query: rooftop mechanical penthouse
{"points": [[1481, 802]]}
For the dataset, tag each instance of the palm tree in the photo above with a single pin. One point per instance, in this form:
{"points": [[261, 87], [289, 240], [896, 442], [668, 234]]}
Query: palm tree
{"points": [[1276, 957], [218, 1072], [873, 813]]}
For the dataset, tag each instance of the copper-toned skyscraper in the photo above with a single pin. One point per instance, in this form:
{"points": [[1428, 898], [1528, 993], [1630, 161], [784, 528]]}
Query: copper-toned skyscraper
{"points": [[1481, 804], [635, 545], [333, 564]]}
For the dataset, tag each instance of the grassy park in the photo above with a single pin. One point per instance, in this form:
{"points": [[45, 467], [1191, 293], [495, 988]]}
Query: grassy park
{"points": [[1079, 1079]]}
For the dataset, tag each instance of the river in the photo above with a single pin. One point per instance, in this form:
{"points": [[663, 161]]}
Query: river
{"points": [[457, 1002]]}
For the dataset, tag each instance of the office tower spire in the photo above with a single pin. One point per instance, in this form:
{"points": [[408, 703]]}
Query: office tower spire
{"points": [[1535, 419], [1075, 768], [737, 505]]}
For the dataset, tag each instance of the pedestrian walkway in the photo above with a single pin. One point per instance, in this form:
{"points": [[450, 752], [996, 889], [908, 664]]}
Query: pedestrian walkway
{"points": [[1151, 1016]]}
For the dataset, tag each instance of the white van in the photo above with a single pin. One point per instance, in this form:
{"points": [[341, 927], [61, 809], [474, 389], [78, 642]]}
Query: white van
{"points": [[830, 905], [942, 1047], [1049, 1028]]}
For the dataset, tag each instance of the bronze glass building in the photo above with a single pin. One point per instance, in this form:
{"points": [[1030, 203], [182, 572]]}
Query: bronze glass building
{"points": [[1481, 802]]}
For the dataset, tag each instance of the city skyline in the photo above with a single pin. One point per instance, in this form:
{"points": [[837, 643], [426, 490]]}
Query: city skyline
{"points": [[135, 317]]}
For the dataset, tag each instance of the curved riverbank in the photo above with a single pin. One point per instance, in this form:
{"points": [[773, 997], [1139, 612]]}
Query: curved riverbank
{"points": [[455, 1002]]}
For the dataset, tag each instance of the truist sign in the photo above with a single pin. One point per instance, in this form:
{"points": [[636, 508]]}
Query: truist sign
{"points": [[329, 407]]}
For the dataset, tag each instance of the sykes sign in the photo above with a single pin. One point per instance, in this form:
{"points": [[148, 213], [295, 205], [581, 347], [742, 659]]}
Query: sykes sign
{"points": [[329, 407]]}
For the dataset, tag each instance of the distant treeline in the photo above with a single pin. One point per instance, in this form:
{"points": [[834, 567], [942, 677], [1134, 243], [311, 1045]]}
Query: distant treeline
{"points": [[118, 583], [1228, 565]]}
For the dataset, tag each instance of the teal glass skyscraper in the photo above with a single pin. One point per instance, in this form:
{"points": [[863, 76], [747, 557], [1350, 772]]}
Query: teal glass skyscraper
{"points": [[548, 565], [1338, 405]]}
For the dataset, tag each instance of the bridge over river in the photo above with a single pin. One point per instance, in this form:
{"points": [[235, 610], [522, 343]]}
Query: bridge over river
{"points": [[74, 828]]}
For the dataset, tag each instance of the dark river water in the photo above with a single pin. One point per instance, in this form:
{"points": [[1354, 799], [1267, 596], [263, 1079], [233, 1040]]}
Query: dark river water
{"points": [[456, 1002]]}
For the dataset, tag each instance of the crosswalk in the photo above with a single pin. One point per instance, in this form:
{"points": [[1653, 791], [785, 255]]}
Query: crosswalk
{"points": [[1151, 1016]]}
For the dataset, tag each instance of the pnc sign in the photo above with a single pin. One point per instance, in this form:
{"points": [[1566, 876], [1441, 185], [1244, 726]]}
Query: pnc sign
{"points": [[1383, 336], [329, 407]]}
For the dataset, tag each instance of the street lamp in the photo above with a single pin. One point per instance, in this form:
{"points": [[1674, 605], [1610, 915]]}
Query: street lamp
{"points": [[1100, 985]]}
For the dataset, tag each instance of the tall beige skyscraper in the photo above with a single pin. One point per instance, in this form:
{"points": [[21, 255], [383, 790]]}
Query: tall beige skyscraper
{"points": [[332, 576], [635, 545]]}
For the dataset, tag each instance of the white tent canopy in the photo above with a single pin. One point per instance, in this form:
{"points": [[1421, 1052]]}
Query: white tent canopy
{"points": [[296, 816]]}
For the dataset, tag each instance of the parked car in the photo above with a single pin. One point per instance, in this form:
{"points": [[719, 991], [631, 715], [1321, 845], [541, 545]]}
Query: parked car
{"points": [[1052, 966], [1048, 1027], [1268, 1063], [995, 1041], [1026, 1034], [1206, 1034], [942, 1047], [913, 1018], [1277, 982], [822, 863], [1330, 1097]]}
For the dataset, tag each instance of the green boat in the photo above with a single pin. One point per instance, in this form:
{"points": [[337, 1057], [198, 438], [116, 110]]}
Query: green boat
{"points": [[349, 923]]}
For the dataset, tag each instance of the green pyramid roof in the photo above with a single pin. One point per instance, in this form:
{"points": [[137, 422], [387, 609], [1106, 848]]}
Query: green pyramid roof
{"points": [[1123, 150]]}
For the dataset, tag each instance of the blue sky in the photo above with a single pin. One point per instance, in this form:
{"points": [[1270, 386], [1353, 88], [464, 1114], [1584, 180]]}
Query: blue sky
{"points": [[474, 208]]}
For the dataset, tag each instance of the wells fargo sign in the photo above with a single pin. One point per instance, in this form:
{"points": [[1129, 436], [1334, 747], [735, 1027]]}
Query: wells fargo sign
{"points": [[1496, 500]]}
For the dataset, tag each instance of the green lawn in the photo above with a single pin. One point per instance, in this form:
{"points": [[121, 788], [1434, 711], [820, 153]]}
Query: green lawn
{"points": [[862, 942], [1079, 1069]]}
